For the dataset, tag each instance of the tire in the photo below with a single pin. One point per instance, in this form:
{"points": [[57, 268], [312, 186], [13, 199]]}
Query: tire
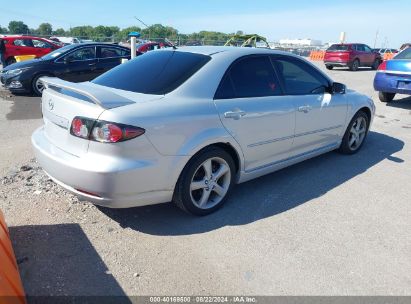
{"points": [[386, 97], [355, 134], [10, 60], [204, 198], [36, 88], [355, 65], [376, 64], [329, 67]]}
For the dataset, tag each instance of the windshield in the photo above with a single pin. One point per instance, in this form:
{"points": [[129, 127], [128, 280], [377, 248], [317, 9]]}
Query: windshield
{"points": [[157, 72], [405, 54], [338, 47], [57, 52]]}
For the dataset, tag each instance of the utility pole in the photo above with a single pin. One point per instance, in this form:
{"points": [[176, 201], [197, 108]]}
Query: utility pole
{"points": [[376, 38], [149, 28]]}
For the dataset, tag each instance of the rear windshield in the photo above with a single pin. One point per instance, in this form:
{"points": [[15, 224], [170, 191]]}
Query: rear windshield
{"points": [[405, 54], [156, 72], [338, 47]]}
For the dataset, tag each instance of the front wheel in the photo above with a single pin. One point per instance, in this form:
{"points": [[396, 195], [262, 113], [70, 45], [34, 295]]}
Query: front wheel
{"points": [[355, 134], [329, 67], [205, 182], [386, 97], [37, 85]]}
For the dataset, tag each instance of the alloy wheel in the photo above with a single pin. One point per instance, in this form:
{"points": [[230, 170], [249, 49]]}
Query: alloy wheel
{"points": [[357, 133], [210, 183], [39, 85]]}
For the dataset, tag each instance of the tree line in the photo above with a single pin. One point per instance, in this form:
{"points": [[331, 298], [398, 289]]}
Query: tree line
{"points": [[115, 34]]}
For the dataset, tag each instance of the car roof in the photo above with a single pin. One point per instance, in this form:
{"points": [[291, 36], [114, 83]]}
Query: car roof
{"points": [[24, 37], [97, 44], [232, 50]]}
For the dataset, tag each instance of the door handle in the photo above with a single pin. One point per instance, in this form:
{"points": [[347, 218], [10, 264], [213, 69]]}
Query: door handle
{"points": [[236, 115], [305, 109], [91, 64]]}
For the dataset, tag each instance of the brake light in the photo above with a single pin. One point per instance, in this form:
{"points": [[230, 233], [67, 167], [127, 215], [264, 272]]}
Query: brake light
{"points": [[103, 131], [383, 66]]}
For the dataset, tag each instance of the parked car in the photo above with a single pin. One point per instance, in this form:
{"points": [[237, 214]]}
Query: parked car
{"points": [[27, 45], [185, 125], [76, 63], [150, 46], [66, 40], [352, 55], [394, 76], [387, 51], [405, 46]]}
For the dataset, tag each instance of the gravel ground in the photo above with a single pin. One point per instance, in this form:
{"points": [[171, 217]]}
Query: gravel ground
{"points": [[333, 225]]}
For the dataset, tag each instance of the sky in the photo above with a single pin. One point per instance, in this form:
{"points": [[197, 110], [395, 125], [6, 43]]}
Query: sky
{"points": [[322, 20]]}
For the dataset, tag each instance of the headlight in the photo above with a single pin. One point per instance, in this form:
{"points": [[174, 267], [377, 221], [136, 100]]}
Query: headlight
{"points": [[15, 72]]}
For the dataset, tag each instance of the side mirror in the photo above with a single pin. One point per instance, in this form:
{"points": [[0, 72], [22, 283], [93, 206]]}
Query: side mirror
{"points": [[338, 88]]}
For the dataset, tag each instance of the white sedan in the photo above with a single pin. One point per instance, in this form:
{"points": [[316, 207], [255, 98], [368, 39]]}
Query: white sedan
{"points": [[185, 125]]}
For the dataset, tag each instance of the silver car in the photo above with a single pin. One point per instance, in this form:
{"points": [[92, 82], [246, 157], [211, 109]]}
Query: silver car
{"points": [[185, 125]]}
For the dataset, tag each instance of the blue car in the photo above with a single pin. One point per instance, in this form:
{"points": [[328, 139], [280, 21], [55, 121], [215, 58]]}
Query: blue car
{"points": [[394, 76]]}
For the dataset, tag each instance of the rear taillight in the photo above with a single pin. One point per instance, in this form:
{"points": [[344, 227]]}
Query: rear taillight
{"points": [[383, 66], [103, 131]]}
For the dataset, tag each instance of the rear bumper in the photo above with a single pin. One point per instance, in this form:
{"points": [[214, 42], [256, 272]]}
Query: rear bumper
{"points": [[106, 180], [337, 63], [388, 83]]}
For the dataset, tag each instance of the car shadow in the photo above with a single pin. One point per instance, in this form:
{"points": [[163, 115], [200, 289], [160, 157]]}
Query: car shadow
{"points": [[60, 261], [403, 103], [266, 196]]}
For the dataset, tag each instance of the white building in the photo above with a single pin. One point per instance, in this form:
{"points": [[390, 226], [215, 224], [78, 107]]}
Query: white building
{"points": [[300, 42]]}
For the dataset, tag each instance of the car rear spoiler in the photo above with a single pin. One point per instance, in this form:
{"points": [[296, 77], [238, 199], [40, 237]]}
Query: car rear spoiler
{"points": [[94, 93]]}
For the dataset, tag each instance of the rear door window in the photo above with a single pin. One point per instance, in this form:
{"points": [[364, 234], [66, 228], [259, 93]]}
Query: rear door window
{"points": [[23, 42], [250, 77], [111, 52], [299, 78], [154, 72]]}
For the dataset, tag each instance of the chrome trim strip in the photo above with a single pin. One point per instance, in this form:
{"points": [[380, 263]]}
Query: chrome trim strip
{"points": [[270, 141], [318, 131], [327, 147], [292, 136]]}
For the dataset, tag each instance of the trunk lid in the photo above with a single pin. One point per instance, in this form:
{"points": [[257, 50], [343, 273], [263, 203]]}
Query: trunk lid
{"points": [[399, 65], [343, 56], [62, 101]]}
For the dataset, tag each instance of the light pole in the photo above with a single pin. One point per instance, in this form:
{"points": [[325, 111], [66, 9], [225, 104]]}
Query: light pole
{"points": [[149, 28]]}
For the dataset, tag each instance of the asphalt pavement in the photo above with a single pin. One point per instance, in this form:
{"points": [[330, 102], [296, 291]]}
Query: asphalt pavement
{"points": [[332, 225]]}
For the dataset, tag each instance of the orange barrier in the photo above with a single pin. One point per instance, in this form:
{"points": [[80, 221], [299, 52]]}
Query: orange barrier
{"points": [[11, 289], [317, 55], [388, 56]]}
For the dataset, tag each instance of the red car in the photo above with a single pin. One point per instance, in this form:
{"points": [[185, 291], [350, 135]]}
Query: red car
{"points": [[27, 45], [352, 55], [150, 46]]}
